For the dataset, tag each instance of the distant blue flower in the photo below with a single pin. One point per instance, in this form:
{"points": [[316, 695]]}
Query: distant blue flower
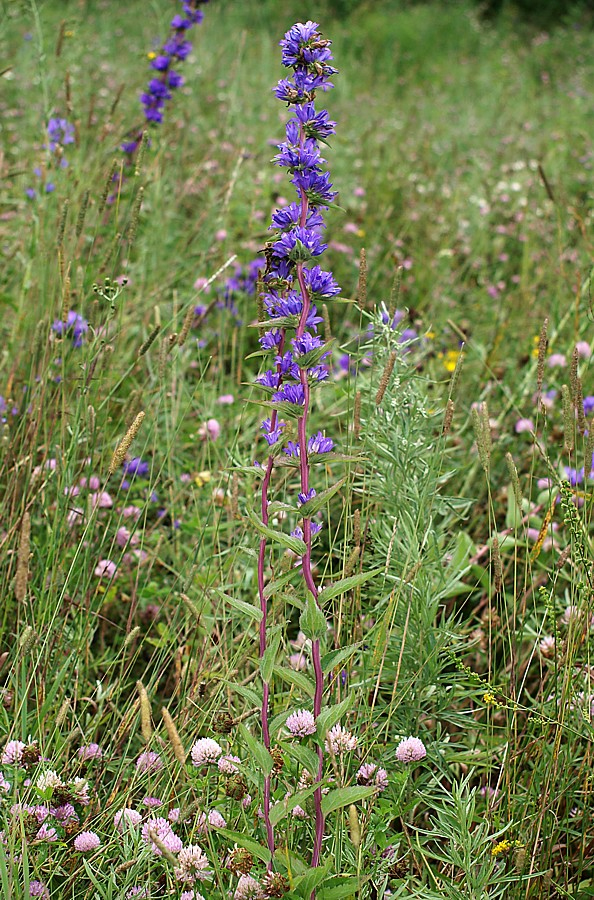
{"points": [[136, 467], [175, 48], [75, 326], [59, 131]]}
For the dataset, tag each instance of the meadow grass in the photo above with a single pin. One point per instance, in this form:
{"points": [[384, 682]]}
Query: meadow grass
{"points": [[463, 159]]}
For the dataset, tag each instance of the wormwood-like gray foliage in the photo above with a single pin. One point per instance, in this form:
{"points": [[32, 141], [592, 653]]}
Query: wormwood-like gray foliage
{"points": [[411, 523]]}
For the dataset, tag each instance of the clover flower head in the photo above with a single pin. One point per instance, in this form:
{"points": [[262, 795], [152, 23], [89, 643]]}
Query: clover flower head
{"points": [[87, 841], [47, 833], [547, 646], [248, 889], [38, 889], [48, 780], [299, 813], [126, 818], [339, 740], [89, 751], [105, 569], [65, 814], [192, 865], [80, 790], [13, 753], [226, 765], [191, 895], [301, 723], [149, 761], [162, 830], [411, 749], [205, 751], [369, 774]]}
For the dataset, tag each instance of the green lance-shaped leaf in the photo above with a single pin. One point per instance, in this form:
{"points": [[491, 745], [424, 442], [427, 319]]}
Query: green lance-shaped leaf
{"points": [[240, 605], [306, 758], [283, 807], [345, 584], [269, 658], [278, 537], [305, 884], [239, 838], [335, 657], [277, 322], [331, 715], [257, 751], [316, 503], [305, 684], [312, 620], [344, 797], [340, 886]]}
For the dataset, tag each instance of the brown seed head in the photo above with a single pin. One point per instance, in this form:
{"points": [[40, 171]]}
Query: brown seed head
{"points": [[275, 885], [240, 861]]}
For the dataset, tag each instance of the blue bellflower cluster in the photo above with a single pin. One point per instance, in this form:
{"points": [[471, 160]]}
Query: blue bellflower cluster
{"points": [[293, 280], [166, 79]]}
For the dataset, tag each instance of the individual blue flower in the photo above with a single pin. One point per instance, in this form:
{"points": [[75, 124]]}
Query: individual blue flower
{"points": [[288, 217], [316, 186], [317, 125], [136, 467], [320, 284], [290, 393], [270, 379], [306, 343], [297, 158], [272, 435], [270, 339], [299, 245], [295, 39], [319, 443]]}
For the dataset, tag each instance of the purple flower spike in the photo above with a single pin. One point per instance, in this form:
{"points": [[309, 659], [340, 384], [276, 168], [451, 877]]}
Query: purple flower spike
{"points": [[290, 288], [176, 48]]}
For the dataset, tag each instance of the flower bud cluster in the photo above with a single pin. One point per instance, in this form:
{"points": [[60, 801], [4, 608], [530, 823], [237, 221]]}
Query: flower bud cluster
{"points": [[293, 280]]}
